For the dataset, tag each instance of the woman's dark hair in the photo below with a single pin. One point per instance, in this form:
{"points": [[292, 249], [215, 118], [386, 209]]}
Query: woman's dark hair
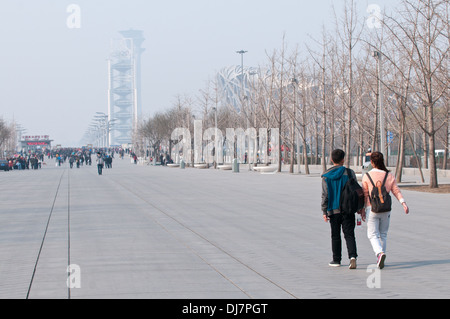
{"points": [[378, 159]]}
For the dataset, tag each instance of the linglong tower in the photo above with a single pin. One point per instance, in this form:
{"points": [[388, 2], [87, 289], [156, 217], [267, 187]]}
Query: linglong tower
{"points": [[124, 86]]}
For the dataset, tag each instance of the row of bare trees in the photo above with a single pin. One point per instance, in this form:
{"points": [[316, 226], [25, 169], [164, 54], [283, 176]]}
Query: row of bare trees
{"points": [[7, 142], [328, 93]]}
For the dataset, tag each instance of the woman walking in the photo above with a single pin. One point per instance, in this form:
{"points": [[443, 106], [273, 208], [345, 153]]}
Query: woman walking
{"points": [[376, 183]]}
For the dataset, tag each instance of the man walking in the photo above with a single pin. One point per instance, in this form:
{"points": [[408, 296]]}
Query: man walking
{"points": [[100, 163], [333, 182]]}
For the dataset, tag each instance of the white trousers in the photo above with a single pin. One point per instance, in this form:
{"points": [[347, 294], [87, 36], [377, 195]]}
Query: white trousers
{"points": [[377, 229]]}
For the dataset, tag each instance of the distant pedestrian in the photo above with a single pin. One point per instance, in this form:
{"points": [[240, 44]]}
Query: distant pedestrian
{"points": [[108, 161], [373, 183], [100, 163], [333, 181]]}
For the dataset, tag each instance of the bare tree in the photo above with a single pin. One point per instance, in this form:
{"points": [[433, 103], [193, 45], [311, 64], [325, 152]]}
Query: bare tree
{"points": [[349, 36], [421, 28], [292, 112], [6, 132], [320, 58], [304, 92], [279, 105]]}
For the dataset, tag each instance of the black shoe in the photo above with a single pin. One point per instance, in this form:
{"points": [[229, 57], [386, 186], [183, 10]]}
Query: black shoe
{"points": [[380, 261], [334, 263]]}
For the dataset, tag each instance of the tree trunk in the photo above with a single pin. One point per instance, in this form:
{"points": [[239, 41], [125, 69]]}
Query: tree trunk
{"points": [[401, 149], [349, 136], [292, 146], [432, 146], [305, 152], [444, 164], [324, 136]]}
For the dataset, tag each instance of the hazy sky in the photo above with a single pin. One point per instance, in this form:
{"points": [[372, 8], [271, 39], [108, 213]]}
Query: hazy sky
{"points": [[53, 78]]}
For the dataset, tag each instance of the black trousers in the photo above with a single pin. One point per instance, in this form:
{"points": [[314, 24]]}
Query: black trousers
{"points": [[346, 222], [99, 168]]}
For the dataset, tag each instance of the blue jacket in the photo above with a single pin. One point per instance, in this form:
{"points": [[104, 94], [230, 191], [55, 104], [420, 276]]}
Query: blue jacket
{"points": [[333, 182]]}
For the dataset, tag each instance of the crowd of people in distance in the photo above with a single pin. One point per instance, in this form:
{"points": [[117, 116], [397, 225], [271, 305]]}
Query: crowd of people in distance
{"points": [[80, 157], [75, 157], [163, 159], [25, 161]]}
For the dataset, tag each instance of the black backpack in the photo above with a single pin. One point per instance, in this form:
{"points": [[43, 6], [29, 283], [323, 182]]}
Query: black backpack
{"points": [[379, 198], [352, 196]]}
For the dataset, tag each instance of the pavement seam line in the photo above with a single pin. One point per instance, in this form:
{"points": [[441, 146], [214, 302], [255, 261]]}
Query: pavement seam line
{"points": [[45, 234], [68, 232]]}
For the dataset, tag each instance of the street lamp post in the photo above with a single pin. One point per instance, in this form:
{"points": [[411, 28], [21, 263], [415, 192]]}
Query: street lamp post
{"points": [[110, 127], [104, 121], [242, 52], [294, 82], [106, 124], [96, 130], [102, 128], [377, 56], [216, 142]]}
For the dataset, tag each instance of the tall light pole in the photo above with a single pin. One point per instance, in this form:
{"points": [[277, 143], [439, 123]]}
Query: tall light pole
{"points": [[377, 56], [216, 142], [294, 82], [101, 118], [242, 52], [108, 124], [96, 130]]}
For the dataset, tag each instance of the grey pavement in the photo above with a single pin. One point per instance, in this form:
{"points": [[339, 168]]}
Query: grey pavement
{"points": [[143, 231]]}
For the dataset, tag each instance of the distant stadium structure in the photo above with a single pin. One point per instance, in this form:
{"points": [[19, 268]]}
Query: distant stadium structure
{"points": [[236, 83]]}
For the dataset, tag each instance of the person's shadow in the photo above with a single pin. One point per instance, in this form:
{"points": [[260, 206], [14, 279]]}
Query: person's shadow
{"points": [[415, 264]]}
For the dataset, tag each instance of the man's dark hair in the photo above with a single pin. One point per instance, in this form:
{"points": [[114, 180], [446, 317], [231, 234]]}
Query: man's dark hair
{"points": [[337, 156]]}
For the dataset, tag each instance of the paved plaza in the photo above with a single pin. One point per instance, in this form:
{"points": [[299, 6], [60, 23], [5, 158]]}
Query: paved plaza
{"points": [[142, 231]]}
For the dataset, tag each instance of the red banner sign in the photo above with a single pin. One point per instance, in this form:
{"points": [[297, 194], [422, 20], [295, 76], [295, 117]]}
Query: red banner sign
{"points": [[37, 143]]}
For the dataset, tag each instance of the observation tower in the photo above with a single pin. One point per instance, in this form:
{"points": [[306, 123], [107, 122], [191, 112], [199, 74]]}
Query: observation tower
{"points": [[124, 86]]}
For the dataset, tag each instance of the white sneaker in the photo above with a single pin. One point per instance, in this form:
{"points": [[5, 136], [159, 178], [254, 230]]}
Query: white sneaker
{"points": [[352, 264], [334, 264]]}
